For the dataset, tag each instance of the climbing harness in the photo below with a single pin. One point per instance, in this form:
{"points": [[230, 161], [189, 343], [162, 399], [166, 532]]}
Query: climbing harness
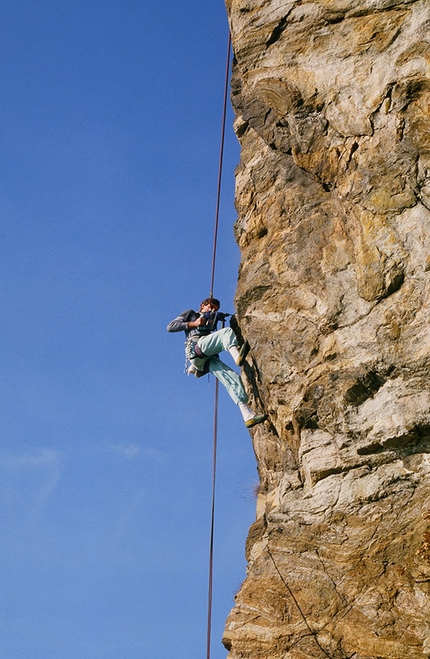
{"points": [[212, 318], [215, 421]]}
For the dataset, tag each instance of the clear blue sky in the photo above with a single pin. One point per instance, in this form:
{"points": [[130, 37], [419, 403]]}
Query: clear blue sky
{"points": [[110, 117]]}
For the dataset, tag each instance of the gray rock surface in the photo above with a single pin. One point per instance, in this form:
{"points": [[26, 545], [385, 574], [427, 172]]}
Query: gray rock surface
{"points": [[332, 103]]}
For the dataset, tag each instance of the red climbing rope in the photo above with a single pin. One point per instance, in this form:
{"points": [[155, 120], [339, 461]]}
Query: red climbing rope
{"points": [[221, 158], [212, 528], [215, 425]]}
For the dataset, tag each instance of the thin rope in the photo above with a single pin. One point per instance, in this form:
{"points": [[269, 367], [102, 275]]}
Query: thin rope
{"points": [[215, 421], [211, 542], [221, 159], [293, 597]]}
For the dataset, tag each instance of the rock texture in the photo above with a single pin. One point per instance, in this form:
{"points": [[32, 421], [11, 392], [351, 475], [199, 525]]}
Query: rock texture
{"points": [[332, 102]]}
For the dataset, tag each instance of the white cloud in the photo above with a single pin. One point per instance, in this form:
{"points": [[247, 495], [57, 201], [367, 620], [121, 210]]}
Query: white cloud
{"points": [[132, 450], [41, 458], [128, 451], [129, 512], [28, 480]]}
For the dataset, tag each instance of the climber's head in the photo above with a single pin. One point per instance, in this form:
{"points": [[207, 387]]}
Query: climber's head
{"points": [[210, 304]]}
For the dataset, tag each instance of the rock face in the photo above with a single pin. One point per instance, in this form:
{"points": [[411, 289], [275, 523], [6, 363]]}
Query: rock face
{"points": [[332, 102]]}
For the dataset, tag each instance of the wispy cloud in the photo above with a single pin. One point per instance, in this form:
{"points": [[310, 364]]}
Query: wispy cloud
{"points": [[40, 458], [127, 518], [28, 480], [128, 451]]}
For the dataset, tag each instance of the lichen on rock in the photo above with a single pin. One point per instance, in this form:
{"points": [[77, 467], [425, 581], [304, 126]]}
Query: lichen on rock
{"points": [[332, 104]]}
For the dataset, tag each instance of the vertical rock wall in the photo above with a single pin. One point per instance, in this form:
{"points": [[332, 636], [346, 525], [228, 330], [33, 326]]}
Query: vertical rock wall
{"points": [[332, 102]]}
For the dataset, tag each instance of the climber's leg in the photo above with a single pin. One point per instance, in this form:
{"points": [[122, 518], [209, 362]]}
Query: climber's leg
{"points": [[223, 339], [214, 343], [230, 379], [233, 383]]}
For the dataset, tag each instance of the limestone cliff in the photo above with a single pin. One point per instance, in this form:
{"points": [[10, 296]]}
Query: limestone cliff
{"points": [[332, 103]]}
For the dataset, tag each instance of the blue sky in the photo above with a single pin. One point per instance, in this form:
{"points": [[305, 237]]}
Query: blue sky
{"points": [[110, 124]]}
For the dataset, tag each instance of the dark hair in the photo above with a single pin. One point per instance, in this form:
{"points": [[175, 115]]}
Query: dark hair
{"points": [[210, 300]]}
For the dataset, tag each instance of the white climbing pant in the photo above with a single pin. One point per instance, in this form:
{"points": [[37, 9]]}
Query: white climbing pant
{"points": [[211, 345]]}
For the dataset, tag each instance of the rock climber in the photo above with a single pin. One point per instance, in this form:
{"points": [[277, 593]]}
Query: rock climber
{"points": [[203, 345]]}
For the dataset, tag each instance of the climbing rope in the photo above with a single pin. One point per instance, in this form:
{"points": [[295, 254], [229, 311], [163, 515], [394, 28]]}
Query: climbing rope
{"points": [[221, 159], [212, 527], [215, 423]]}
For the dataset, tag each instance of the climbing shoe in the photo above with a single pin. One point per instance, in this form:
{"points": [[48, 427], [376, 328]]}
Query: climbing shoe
{"points": [[255, 420], [192, 370], [242, 353]]}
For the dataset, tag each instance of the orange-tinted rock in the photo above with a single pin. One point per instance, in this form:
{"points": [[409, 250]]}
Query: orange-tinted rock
{"points": [[332, 102]]}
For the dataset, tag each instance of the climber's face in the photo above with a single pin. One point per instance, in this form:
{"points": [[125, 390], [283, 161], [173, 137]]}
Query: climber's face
{"points": [[204, 308]]}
